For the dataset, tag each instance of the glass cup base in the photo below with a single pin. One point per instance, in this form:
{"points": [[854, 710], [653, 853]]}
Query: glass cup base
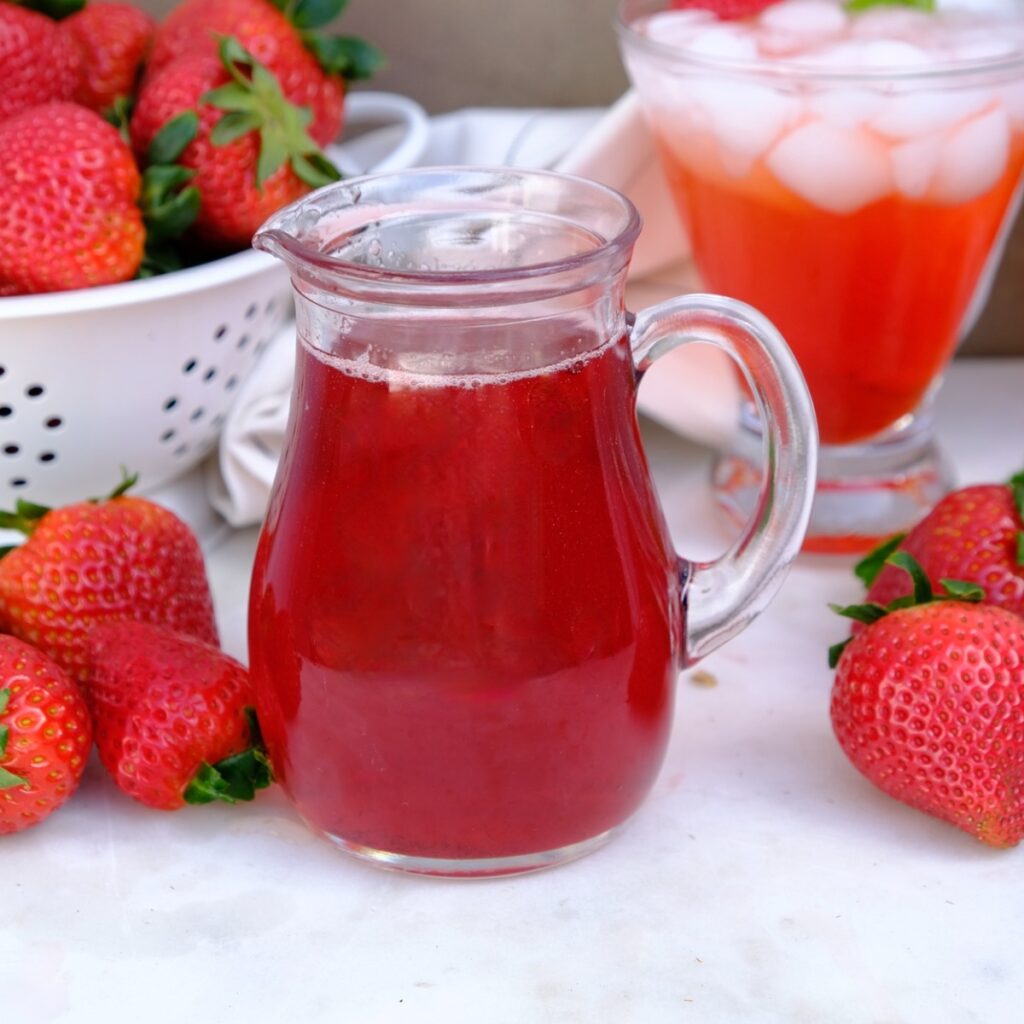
{"points": [[480, 867], [865, 492]]}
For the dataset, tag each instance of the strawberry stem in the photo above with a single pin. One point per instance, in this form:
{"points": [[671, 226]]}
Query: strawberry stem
{"points": [[253, 102]]}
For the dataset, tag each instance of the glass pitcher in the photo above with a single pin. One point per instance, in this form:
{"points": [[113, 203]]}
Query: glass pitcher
{"points": [[467, 615]]}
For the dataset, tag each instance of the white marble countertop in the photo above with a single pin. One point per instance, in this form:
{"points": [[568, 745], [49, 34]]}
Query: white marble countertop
{"points": [[763, 881]]}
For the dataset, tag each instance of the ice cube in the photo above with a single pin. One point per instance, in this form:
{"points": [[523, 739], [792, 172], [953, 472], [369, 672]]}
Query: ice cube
{"points": [[1013, 100], [974, 158], [810, 19], [837, 169], [914, 165], [720, 41], [912, 114], [892, 53], [676, 28], [895, 23], [746, 118], [847, 108]]}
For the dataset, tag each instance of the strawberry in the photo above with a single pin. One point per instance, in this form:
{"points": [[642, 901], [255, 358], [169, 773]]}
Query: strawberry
{"points": [[928, 704], [45, 735], [37, 62], [113, 39], [310, 69], [174, 723], [68, 186], [725, 10], [974, 534], [97, 562], [225, 120]]}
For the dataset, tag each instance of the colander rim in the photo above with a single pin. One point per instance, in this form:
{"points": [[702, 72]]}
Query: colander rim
{"points": [[217, 272]]}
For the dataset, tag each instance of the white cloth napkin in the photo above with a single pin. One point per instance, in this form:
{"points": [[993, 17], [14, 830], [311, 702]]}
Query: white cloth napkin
{"points": [[692, 390]]}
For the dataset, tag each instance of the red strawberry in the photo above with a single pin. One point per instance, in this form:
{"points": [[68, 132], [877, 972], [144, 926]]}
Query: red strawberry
{"points": [[725, 10], [246, 144], [193, 27], [68, 186], [973, 534], [173, 718], [113, 39], [37, 62], [928, 704], [45, 735], [97, 562]]}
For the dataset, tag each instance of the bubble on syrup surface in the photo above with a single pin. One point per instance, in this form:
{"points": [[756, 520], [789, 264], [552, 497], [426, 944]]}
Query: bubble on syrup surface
{"points": [[836, 169]]}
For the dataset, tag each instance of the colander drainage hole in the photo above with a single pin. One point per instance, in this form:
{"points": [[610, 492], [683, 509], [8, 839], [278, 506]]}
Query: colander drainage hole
{"points": [[251, 311], [231, 383], [220, 333], [182, 449], [3, 370], [18, 481], [190, 366], [11, 449], [210, 373], [167, 435], [6, 410], [243, 341], [170, 404], [54, 423], [47, 456], [197, 414], [35, 390]]}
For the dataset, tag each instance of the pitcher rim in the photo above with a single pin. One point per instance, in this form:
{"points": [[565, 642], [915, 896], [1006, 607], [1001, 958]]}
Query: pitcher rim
{"points": [[273, 239]]}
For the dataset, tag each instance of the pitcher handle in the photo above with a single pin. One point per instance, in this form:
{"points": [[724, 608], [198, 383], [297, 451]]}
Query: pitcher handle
{"points": [[724, 596]]}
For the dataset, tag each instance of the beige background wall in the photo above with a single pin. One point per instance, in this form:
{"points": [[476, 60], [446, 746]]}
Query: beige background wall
{"points": [[456, 53]]}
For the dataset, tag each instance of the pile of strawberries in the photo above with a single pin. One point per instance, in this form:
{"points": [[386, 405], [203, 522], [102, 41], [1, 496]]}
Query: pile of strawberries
{"points": [[108, 633], [928, 700], [130, 149]]}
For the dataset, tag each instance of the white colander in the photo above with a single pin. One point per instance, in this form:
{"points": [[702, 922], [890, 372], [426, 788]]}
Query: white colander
{"points": [[139, 375], [143, 374]]}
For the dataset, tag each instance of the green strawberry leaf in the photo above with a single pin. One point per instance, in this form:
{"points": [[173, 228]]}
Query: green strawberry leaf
{"points": [[128, 481], [835, 652], [253, 102], [169, 143], [868, 568], [25, 517], [8, 780], [960, 590], [233, 126], [119, 114], [234, 778], [315, 170], [866, 613], [856, 6], [159, 258], [306, 14], [55, 9], [169, 204], [352, 58], [923, 593]]}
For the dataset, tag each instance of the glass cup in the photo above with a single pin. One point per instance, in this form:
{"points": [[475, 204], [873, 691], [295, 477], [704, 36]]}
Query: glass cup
{"points": [[466, 614], [853, 176]]}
